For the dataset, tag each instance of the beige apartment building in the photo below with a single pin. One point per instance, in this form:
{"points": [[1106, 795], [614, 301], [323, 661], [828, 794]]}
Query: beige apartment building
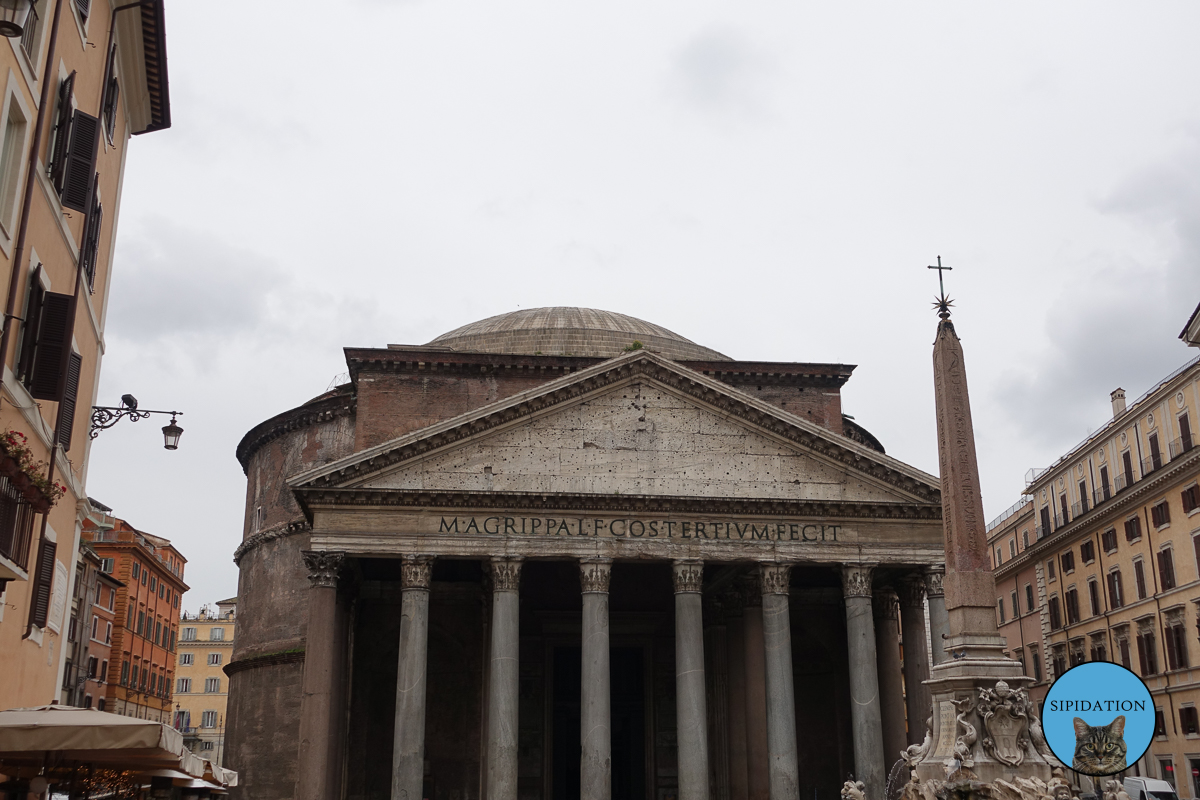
{"points": [[201, 687], [1101, 562], [78, 79]]}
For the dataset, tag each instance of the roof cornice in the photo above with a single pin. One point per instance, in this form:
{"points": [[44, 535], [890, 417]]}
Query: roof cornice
{"points": [[412, 359], [1113, 506]]}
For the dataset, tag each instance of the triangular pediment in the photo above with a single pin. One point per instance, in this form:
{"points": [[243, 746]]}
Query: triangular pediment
{"points": [[635, 425]]}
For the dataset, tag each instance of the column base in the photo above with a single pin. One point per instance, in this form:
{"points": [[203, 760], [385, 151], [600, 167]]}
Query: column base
{"points": [[983, 726]]}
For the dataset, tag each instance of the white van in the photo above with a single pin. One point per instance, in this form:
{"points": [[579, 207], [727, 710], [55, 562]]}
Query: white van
{"points": [[1149, 789]]}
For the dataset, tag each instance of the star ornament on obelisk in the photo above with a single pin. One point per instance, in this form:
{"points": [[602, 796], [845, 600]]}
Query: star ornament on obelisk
{"points": [[984, 727]]}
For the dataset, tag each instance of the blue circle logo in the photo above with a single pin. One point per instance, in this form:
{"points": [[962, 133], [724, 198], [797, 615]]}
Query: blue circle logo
{"points": [[1099, 718]]}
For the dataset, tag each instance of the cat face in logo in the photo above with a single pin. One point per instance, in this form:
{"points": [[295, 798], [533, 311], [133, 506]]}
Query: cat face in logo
{"points": [[1099, 749]]}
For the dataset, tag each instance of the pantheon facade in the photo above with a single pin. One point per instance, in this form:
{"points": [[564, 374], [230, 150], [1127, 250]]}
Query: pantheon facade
{"points": [[565, 553]]}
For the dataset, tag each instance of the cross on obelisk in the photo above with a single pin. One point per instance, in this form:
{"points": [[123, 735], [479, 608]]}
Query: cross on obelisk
{"points": [[941, 303]]}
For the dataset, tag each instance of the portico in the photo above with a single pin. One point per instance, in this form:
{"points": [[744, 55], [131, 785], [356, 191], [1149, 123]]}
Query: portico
{"points": [[542, 575]]}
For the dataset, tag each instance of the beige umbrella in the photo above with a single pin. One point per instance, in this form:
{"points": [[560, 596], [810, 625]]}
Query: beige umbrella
{"points": [[53, 735]]}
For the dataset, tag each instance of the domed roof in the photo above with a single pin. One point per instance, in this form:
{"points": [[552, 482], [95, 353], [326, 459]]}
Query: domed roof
{"points": [[566, 331]]}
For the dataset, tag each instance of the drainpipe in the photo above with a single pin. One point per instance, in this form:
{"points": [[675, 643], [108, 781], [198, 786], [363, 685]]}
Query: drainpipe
{"points": [[39, 128]]}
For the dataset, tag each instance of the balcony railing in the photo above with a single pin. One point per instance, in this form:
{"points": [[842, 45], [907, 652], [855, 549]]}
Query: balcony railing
{"points": [[1152, 463], [1059, 521], [1101, 495], [1040, 531], [16, 524], [1079, 509], [1122, 482], [1182, 446]]}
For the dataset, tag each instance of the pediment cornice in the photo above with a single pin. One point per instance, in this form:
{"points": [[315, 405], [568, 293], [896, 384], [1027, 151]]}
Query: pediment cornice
{"points": [[616, 503], [352, 471]]}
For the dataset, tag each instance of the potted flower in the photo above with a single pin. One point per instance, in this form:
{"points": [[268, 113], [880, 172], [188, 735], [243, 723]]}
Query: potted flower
{"points": [[18, 465]]}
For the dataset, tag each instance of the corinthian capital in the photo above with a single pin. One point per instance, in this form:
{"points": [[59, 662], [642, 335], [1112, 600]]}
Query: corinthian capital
{"points": [[323, 567], [886, 604], [416, 572], [856, 580], [933, 581], [506, 574], [688, 576], [594, 574], [775, 578], [750, 588], [912, 591]]}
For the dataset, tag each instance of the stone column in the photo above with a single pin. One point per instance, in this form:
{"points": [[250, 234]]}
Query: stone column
{"points": [[408, 744], [864, 680], [691, 712], [316, 779], [939, 623], [736, 638], [916, 664], [716, 646], [891, 688], [595, 774], [783, 772], [503, 685], [757, 762]]}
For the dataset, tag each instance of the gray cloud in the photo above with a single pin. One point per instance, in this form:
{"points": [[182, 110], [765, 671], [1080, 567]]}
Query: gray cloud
{"points": [[1118, 324], [721, 70], [175, 282]]}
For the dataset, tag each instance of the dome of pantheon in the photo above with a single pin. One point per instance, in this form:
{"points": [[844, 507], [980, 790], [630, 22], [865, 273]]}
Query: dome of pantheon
{"points": [[567, 331]]}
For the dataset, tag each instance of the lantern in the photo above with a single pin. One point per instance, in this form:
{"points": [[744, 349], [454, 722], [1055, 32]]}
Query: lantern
{"points": [[13, 15], [171, 431]]}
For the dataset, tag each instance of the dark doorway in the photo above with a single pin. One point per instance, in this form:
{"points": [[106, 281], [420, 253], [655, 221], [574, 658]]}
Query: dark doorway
{"points": [[628, 724], [628, 715]]}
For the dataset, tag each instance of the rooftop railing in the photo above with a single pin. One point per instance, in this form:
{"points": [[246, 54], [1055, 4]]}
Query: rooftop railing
{"points": [[1032, 475], [1008, 512]]}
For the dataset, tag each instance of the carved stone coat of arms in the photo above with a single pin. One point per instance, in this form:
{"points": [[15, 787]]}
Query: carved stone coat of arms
{"points": [[1005, 716]]}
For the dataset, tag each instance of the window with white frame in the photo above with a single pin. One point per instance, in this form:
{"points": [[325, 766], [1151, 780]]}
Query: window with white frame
{"points": [[216, 635], [212, 685], [183, 685], [185, 659], [188, 635], [13, 144], [208, 719]]}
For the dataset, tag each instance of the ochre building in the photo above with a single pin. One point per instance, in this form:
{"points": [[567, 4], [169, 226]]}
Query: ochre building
{"points": [[201, 686], [1101, 562], [81, 78], [567, 553]]}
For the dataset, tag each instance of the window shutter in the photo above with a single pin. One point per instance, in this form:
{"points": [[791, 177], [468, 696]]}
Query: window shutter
{"points": [[30, 327], [84, 7], [52, 339], [91, 237], [43, 584], [66, 409], [110, 107], [62, 132], [80, 163]]}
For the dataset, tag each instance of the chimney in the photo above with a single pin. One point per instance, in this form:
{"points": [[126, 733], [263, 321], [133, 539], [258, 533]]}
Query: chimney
{"points": [[1118, 401]]}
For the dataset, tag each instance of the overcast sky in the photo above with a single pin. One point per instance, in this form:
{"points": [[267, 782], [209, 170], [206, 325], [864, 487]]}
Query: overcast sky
{"points": [[767, 179]]}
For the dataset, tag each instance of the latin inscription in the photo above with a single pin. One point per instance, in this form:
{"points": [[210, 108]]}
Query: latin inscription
{"points": [[947, 730], [634, 528]]}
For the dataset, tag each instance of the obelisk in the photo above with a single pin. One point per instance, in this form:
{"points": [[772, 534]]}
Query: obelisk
{"points": [[976, 686]]}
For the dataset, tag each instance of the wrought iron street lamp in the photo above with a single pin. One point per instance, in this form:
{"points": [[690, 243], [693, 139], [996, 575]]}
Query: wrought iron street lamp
{"points": [[104, 417], [13, 15]]}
